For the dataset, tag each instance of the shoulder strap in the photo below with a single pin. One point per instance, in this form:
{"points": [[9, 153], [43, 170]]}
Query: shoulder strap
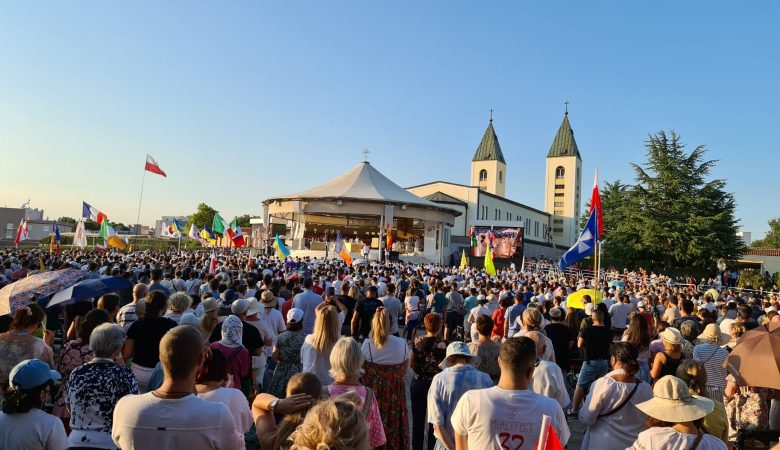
{"points": [[699, 437], [234, 354], [368, 402], [624, 402]]}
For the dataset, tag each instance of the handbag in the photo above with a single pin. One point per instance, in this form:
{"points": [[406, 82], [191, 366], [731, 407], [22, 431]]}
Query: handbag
{"points": [[747, 410]]}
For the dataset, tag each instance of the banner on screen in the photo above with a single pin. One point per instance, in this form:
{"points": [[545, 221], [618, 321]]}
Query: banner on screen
{"points": [[504, 242]]}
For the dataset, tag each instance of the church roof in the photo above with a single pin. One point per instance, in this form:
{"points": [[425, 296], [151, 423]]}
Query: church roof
{"points": [[489, 149], [365, 183], [564, 143]]}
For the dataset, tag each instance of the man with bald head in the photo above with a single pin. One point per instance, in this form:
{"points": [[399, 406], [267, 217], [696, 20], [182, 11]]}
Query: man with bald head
{"points": [[172, 416], [548, 378], [133, 310]]}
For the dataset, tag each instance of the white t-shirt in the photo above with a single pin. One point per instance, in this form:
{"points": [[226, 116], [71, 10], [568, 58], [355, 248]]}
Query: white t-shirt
{"points": [[236, 404], [395, 351], [315, 362], [145, 421], [548, 381], [496, 418], [33, 430], [667, 438], [413, 307], [394, 307]]}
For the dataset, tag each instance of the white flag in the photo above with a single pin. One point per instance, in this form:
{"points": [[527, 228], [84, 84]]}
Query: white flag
{"points": [[80, 236], [194, 232]]}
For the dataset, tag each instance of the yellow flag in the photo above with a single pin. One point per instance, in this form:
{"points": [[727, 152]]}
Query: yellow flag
{"points": [[463, 262], [490, 268], [40, 261]]}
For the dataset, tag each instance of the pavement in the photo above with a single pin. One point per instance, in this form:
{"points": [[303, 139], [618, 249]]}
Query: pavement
{"points": [[577, 433]]}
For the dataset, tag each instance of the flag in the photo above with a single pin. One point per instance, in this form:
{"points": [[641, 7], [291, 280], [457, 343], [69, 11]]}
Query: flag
{"points": [[548, 438], [164, 229], [21, 232], [341, 249], [152, 166], [90, 212], [40, 262], [213, 263], [281, 249], [463, 261], [80, 235], [219, 225], [238, 236], [194, 232], [208, 236], [389, 232], [177, 226], [101, 248], [595, 204], [584, 246], [110, 237], [490, 268], [473, 237], [57, 237]]}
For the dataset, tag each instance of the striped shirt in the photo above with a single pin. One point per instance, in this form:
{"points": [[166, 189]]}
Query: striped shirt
{"points": [[712, 357]]}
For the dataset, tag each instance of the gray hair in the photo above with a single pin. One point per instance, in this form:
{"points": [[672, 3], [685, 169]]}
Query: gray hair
{"points": [[106, 339], [346, 359], [179, 302]]}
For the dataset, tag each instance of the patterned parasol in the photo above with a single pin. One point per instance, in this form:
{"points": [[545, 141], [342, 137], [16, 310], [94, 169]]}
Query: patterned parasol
{"points": [[44, 284]]}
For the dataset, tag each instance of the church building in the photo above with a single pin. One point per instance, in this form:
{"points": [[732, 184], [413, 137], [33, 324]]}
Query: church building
{"points": [[483, 202]]}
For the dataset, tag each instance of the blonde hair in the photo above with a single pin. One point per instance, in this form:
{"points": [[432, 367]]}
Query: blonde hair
{"points": [[300, 383], [334, 424], [346, 359], [326, 329], [179, 302], [669, 347], [380, 327], [354, 291], [207, 323], [532, 319]]}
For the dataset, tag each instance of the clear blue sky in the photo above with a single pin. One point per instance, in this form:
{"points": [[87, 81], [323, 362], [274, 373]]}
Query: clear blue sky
{"points": [[239, 101]]}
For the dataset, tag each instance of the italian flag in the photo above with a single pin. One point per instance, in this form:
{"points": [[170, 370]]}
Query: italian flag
{"points": [[152, 166]]}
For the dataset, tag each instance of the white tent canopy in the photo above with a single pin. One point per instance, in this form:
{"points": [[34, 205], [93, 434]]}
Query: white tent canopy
{"points": [[364, 183]]}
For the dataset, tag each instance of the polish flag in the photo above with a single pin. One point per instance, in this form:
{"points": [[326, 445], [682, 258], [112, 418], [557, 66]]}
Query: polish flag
{"points": [[152, 166]]}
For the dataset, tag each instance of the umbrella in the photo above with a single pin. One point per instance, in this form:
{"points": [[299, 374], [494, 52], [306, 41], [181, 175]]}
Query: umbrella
{"points": [[88, 289], [18, 294], [574, 300], [755, 361], [358, 262], [712, 292], [616, 283]]}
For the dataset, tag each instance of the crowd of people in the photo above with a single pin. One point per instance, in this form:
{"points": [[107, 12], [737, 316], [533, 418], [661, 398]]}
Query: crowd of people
{"points": [[258, 352]]}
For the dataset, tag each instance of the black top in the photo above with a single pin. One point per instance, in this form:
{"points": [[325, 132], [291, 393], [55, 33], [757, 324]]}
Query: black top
{"points": [[250, 336], [561, 336], [147, 334], [429, 352], [670, 366], [5, 323], [349, 303], [366, 307], [597, 341]]}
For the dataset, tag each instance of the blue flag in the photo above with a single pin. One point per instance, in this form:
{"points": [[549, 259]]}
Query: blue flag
{"points": [[584, 246], [177, 226], [57, 237]]}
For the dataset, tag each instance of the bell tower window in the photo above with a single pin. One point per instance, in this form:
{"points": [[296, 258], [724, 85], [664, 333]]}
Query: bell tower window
{"points": [[559, 172], [483, 175]]}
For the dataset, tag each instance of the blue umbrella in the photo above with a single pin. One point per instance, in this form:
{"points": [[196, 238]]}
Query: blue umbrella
{"points": [[88, 289], [616, 283]]}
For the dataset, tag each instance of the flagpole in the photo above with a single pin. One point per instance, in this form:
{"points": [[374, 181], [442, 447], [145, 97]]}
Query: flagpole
{"points": [[138, 218]]}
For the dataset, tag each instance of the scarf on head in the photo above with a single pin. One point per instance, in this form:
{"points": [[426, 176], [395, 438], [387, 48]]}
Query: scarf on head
{"points": [[231, 331]]}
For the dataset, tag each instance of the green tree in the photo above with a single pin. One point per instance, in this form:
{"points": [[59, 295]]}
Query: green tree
{"points": [[67, 220], [772, 238], [91, 225], [243, 221], [203, 216]]}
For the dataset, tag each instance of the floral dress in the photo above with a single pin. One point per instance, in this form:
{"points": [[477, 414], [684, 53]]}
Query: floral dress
{"points": [[387, 382], [289, 345], [486, 358]]}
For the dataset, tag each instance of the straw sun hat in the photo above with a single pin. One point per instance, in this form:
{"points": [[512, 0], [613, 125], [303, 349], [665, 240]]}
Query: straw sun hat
{"points": [[713, 334], [673, 403]]}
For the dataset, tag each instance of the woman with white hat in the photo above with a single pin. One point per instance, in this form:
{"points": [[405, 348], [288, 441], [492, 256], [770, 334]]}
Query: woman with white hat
{"points": [[675, 419], [712, 355], [667, 361]]}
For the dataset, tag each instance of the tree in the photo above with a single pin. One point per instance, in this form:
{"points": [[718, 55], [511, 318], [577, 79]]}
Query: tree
{"points": [[673, 217], [243, 221], [67, 220], [772, 238], [203, 216], [91, 225]]}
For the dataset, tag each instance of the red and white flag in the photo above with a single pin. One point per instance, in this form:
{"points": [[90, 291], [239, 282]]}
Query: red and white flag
{"points": [[548, 438], [595, 203], [21, 232], [213, 263], [152, 166], [237, 236]]}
